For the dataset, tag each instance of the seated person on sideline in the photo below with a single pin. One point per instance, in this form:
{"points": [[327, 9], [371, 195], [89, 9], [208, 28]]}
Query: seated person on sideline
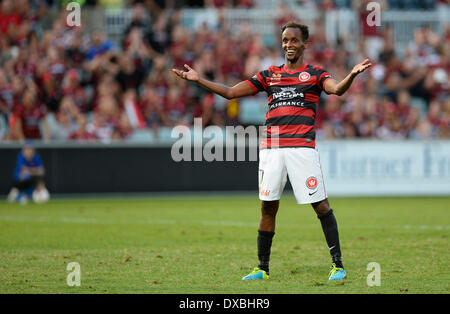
{"points": [[28, 177]]}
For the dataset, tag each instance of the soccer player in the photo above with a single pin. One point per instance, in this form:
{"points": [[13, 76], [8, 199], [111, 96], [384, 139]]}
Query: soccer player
{"points": [[289, 148], [28, 175]]}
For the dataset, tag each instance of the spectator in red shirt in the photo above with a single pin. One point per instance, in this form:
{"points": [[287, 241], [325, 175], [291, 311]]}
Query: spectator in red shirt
{"points": [[82, 134], [123, 130], [129, 76], [218, 3], [403, 105], [334, 115], [28, 116], [152, 106], [284, 15], [175, 107], [24, 66], [371, 33], [72, 87], [8, 18]]}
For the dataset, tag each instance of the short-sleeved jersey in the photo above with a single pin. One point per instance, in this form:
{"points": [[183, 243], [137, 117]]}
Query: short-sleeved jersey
{"points": [[30, 118], [293, 98], [21, 162]]}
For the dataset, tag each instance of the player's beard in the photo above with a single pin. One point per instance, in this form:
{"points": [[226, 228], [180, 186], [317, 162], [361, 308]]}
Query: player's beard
{"points": [[296, 57]]}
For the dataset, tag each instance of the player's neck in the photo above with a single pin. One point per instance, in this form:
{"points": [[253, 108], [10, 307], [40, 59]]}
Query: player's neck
{"points": [[291, 66]]}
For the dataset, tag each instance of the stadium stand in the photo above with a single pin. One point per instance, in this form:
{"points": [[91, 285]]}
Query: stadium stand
{"points": [[109, 79]]}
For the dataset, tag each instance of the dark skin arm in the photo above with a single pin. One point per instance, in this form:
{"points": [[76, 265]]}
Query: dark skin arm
{"points": [[335, 88], [241, 89]]}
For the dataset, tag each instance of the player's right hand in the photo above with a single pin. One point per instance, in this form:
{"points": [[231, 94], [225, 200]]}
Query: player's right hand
{"points": [[189, 75]]}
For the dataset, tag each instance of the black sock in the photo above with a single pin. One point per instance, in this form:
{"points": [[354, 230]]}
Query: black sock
{"points": [[264, 246], [32, 181], [24, 184], [330, 229]]}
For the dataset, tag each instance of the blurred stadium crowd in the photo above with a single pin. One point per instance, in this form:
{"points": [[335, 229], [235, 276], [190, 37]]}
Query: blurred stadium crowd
{"points": [[65, 83]]}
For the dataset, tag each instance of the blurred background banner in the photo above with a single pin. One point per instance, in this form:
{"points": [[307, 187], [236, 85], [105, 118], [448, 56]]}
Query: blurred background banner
{"points": [[368, 168], [350, 168]]}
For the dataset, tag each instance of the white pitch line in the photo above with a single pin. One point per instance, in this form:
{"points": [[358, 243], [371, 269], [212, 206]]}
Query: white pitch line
{"points": [[84, 220], [50, 219], [228, 223]]}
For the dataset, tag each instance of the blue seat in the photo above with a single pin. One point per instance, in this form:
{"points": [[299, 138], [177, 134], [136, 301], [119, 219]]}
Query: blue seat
{"points": [[253, 111], [142, 136]]}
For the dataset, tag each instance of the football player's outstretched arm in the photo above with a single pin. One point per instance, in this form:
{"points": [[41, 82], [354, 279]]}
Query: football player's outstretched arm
{"points": [[335, 88], [239, 90]]}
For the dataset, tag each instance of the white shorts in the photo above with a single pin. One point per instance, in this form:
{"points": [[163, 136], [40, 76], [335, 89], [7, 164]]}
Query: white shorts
{"points": [[301, 164]]}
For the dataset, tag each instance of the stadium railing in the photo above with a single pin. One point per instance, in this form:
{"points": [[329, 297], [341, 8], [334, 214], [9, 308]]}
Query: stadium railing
{"points": [[262, 21], [345, 23]]}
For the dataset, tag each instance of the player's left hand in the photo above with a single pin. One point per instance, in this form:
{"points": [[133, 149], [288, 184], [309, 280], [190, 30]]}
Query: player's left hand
{"points": [[189, 75], [361, 67]]}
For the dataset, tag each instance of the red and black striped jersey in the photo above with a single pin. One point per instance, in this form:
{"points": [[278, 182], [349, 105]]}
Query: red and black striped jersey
{"points": [[293, 98]]}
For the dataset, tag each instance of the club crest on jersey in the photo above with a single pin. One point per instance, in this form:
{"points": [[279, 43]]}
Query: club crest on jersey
{"points": [[311, 183], [304, 77]]}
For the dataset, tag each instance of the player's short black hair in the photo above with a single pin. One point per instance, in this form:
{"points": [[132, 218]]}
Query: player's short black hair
{"points": [[302, 27]]}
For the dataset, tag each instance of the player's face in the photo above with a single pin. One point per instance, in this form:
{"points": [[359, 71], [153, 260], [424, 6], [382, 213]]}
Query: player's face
{"points": [[28, 152], [292, 44]]}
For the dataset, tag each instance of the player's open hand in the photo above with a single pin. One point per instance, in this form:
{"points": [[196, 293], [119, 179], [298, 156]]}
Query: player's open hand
{"points": [[359, 68], [189, 75]]}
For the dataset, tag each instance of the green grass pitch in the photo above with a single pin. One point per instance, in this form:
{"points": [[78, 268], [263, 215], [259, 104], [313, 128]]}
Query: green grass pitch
{"points": [[205, 244]]}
